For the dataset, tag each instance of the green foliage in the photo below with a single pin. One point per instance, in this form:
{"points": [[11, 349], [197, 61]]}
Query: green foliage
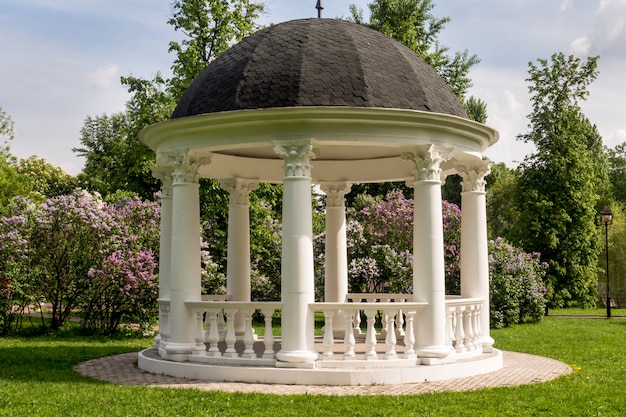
{"points": [[476, 109], [502, 213], [557, 194], [6, 125], [45, 180], [617, 171], [412, 23], [210, 27], [11, 182], [114, 158]]}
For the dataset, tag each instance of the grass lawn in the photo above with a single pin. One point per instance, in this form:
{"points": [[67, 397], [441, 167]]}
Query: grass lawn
{"points": [[36, 379]]}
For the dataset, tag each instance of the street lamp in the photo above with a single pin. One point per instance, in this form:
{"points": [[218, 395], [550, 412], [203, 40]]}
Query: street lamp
{"points": [[606, 217]]}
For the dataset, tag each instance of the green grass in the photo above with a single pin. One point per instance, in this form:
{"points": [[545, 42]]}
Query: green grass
{"points": [[36, 379]]}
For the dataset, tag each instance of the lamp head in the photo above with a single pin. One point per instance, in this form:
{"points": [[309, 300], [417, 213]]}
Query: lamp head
{"points": [[606, 216]]}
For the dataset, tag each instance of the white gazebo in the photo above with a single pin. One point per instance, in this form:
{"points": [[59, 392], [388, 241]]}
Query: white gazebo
{"points": [[327, 102]]}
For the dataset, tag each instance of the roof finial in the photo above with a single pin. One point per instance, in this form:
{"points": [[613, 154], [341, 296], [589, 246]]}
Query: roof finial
{"points": [[319, 6]]}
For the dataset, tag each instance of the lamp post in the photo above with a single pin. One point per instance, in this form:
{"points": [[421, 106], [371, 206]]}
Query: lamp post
{"points": [[606, 217]]}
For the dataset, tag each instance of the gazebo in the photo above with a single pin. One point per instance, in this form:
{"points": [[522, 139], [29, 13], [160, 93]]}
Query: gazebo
{"points": [[332, 103]]}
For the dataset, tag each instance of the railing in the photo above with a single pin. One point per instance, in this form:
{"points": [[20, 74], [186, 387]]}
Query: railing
{"points": [[367, 327], [379, 298], [349, 312], [211, 317], [463, 329]]}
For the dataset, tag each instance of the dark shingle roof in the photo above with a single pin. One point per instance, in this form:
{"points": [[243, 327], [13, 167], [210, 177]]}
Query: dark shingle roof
{"points": [[317, 62]]}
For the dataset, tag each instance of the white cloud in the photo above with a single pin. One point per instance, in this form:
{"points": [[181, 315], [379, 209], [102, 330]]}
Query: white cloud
{"points": [[104, 77], [580, 46], [566, 5]]}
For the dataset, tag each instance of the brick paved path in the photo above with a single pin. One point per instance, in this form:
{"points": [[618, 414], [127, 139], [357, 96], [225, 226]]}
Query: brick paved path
{"points": [[519, 368]]}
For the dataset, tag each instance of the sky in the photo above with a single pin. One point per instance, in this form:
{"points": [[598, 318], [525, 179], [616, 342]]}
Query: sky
{"points": [[61, 60]]}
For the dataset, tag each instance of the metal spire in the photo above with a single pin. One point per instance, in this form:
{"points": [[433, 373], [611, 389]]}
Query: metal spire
{"points": [[319, 6]]}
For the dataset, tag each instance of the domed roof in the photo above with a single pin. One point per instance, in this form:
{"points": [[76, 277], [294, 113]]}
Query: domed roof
{"points": [[318, 62]]}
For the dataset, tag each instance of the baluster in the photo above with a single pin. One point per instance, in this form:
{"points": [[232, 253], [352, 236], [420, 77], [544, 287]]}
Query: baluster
{"points": [[450, 327], [459, 334], [467, 326], [370, 335], [409, 336], [400, 323], [231, 337], [477, 329], [268, 338], [329, 339], [221, 331], [200, 349], [248, 335], [348, 339], [384, 321], [390, 339], [213, 338], [357, 323]]}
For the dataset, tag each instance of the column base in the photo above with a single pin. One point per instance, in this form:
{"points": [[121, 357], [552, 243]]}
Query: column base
{"points": [[433, 351], [178, 352], [296, 356]]}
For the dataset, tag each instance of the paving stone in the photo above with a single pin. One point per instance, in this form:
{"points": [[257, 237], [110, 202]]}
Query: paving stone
{"points": [[519, 369]]}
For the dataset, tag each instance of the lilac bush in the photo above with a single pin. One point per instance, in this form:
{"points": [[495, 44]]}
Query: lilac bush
{"points": [[380, 244], [123, 285], [380, 258], [78, 253], [516, 285], [13, 249]]}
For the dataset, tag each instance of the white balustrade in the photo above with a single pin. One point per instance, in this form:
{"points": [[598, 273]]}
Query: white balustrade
{"points": [[365, 346], [388, 333], [215, 324], [463, 325]]}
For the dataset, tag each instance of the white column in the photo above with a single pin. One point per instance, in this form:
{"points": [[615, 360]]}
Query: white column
{"points": [[238, 258], [185, 259], [428, 251], [336, 250], [297, 285], [474, 248], [164, 174]]}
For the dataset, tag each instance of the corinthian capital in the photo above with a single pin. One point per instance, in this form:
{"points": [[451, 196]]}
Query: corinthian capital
{"points": [[473, 174], [427, 160], [335, 193], [184, 164], [297, 155], [238, 189], [164, 174]]}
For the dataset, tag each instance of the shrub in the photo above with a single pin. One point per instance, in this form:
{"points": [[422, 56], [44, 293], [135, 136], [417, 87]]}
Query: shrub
{"points": [[516, 285]]}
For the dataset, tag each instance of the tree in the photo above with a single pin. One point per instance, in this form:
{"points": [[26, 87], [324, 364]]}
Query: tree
{"points": [[6, 125], [557, 196], [43, 179], [502, 213], [411, 23], [115, 160], [210, 27], [476, 109], [617, 171]]}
